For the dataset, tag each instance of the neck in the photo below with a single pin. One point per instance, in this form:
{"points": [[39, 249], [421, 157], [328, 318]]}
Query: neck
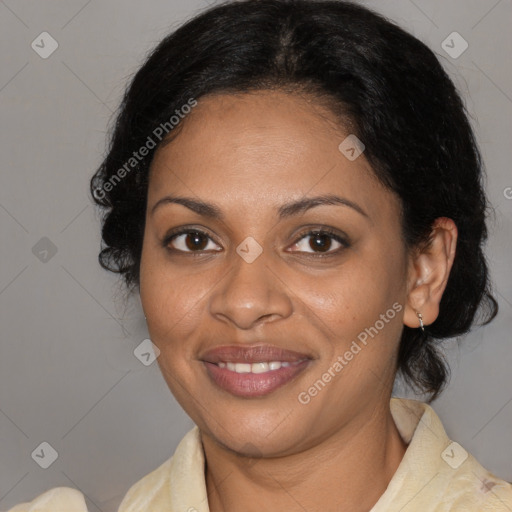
{"points": [[349, 470]]}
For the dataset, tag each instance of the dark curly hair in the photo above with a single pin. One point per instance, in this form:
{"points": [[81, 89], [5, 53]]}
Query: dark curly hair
{"points": [[382, 82]]}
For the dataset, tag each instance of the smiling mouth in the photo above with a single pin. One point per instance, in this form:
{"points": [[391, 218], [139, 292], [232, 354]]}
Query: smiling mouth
{"points": [[250, 371], [259, 367], [252, 380]]}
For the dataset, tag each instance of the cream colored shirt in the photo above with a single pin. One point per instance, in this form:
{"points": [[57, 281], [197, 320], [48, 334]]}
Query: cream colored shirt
{"points": [[435, 475]]}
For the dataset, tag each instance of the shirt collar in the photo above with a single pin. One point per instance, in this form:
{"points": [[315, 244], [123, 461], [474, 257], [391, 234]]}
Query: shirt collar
{"points": [[434, 472], [416, 422]]}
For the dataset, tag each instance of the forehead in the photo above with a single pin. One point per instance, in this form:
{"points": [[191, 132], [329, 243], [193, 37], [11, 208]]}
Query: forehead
{"points": [[259, 146], [232, 124]]}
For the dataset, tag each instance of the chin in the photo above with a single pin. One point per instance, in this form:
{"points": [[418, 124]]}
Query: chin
{"points": [[255, 434]]}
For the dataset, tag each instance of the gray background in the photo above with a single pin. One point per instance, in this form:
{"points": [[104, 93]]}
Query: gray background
{"points": [[68, 375]]}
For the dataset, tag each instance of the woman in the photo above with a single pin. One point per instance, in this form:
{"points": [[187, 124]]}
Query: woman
{"points": [[295, 191]]}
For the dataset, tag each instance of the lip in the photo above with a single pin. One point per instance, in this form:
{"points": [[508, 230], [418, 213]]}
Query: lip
{"points": [[252, 385], [251, 354]]}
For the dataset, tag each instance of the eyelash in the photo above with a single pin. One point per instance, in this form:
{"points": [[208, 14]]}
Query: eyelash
{"points": [[321, 231]]}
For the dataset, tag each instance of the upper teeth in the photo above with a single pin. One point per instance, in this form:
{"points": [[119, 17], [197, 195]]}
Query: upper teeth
{"points": [[253, 367]]}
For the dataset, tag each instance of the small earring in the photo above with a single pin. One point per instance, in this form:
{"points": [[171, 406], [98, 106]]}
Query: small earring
{"points": [[420, 317]]}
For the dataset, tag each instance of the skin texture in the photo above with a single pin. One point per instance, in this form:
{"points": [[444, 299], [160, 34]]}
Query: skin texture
{"points": [[249, 154]]}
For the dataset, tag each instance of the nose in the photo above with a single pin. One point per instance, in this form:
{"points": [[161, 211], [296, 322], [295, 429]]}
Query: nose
{"points": [[250, 294]]}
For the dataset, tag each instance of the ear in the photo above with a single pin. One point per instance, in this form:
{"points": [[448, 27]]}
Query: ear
{"points": [[429, 269]]}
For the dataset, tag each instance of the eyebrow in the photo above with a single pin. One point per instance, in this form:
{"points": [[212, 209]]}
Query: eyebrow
{"points": [[284, 211]]}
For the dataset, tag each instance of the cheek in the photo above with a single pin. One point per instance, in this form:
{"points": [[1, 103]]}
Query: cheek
{"points": [[360, 313], [173, 299], [359, 291], [170, 308], [172, 317]]}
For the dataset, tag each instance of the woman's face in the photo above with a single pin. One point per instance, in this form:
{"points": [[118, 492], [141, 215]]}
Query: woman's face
{"points": [[329, 306]]}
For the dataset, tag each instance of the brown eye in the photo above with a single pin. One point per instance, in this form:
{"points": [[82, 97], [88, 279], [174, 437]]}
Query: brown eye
{"points": [[189, 241], [320, 241]]}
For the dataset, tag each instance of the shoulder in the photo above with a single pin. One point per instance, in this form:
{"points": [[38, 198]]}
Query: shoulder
{"points": [[438, 474], [58, 499], [176, 484], [150, 492], [472, 487], [179, 480]]}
